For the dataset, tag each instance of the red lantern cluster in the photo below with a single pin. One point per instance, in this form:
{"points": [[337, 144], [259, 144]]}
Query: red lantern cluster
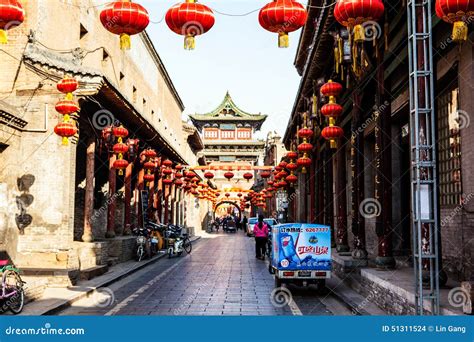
{"points": [[282, 17], [190, 19], [167, 172], [305, 147], [67, 128], [332, 110], [149, 166], [458, 13], [124, 18], [120, 148], [12, 15], [354, 13]]}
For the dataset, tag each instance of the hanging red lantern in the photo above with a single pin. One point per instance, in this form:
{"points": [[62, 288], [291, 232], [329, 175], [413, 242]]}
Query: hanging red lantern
{"points": [[265, 174], [278, 168], [292, 179], [149, 165], [167, 163], [282, 183], [292, 167], [167, 172], [120, 164], [178, 182], [208, 175], [332, 110], [179, 167], [227, 195], [178, 175], [120, 148], [149, 177], [120, 131], [270, 182], [190, 19], [458, 13], [124, 18], [189, 174], [67, 85], [305, 133], [305, 147], [354, 13], [12, 15], [304, 162], [283, 17], [283, 164], [149, 153], [65, 107], [168, 181], [292, 155], [229, 175], [248, 176], [65, 130]]}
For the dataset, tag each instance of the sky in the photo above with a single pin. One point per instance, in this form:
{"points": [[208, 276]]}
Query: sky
{"points": [[236, 55]]}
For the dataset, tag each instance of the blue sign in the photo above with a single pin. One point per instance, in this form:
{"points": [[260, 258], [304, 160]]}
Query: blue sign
{"points": [[298, 246]]}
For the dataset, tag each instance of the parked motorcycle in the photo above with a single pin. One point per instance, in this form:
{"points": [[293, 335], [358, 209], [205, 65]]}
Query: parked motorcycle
{"points": [[156, 236], [177, 241], [142, 243]]}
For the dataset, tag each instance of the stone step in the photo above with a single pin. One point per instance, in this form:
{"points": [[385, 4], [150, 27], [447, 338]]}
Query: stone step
{"points": [[92, 272], [111, 261]]}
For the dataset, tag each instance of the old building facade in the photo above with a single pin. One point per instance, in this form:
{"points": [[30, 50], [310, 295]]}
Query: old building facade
{"points": [[59, 204]]}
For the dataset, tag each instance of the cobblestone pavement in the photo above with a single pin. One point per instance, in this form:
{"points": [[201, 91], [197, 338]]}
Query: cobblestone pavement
{"points": [[220, 277]]}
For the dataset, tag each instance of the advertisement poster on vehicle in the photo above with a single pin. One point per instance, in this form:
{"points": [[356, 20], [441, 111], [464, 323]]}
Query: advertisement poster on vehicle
{"points": [[298, 246]]}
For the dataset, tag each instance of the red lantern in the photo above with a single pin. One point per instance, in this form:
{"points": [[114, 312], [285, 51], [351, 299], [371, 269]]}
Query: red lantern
{"points": [[458, 13], [67, 85], [124, 18], [283, 164], [270, 182], [149, 177], [120, 148], [282, 17], [331, 89], [178, 175], [189, 19], [178, 182], [167, 172], [354, 13], [227, 195], [65, 130], [11, 15], [332, 133], [229, 175], [292, 179], [179, 167], [168, 181], [189, 174], [305, 133], [65, 107], [120, 164], [167, 163], [331, 110], [149, 165], [292, 166], [149, 153], [304, 162], [292, 155], [282, 184], [248, 176], [305, 147], [208, 175], [265, 174], [120, 132]]}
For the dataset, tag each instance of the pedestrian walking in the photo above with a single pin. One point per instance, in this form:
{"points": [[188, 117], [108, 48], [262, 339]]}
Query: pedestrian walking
{"points": [[244, 223], [260, 231]]}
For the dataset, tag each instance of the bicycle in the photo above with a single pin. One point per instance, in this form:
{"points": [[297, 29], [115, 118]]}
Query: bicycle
{"points": [[13, 295]]}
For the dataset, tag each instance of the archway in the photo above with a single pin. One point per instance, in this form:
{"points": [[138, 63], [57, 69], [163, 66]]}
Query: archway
{"points": [[227, 202]]}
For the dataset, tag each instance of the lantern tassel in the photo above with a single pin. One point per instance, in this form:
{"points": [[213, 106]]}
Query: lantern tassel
{"points": [[189, 42], [359, 34], [3, 37], [65, 141], [459, 32], [333, 143], [283, 40], [120, 172], [125, 42]]}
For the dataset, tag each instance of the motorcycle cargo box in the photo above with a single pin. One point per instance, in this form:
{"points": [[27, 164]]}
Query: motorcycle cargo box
{"points": [[300, 246]]}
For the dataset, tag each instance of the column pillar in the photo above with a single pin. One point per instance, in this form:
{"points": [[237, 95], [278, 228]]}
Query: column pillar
{"points": [[127, 230], [357, 178], [342, 244], [111, 201], [87, 235], [383, 172]]}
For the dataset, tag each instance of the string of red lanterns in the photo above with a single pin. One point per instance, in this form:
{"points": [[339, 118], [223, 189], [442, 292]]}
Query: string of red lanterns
{"points": [[332, 110], [67, 127]]}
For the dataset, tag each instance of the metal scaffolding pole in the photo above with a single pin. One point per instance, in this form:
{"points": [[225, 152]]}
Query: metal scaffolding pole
{"points": [[423, 157]]}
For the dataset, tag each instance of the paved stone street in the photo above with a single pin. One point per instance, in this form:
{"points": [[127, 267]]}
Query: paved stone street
{"points": [[220, 277]]}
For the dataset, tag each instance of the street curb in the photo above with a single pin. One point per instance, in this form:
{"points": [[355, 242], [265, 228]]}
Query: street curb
{"points": [[67, 303], [355, 308]]}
